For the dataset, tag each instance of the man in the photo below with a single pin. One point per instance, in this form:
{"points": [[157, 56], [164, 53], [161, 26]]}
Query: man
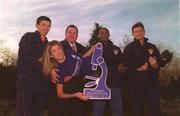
{"points": [[143, 61], [112, 56], [32, 86], [70, 107]]}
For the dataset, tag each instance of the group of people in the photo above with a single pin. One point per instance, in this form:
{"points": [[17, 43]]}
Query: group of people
{"points": [[51, 74]]}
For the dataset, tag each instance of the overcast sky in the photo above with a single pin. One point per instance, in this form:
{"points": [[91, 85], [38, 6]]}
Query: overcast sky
{"points": [[160, 18]]}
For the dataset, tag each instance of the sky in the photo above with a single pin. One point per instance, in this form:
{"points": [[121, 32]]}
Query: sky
{"points": [[160, 18]]}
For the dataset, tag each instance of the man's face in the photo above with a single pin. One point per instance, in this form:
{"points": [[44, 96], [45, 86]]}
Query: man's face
{"points": [[138, 33], [103, 35], [71, 35], [43, 27]]}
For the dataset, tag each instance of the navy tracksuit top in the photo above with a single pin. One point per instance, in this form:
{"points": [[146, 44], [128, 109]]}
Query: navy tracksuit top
{"points": [[30, 74], [135, 55], [113, 57]]}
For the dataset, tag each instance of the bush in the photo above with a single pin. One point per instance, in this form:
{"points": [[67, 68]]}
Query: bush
{"points": [[7, 82]]}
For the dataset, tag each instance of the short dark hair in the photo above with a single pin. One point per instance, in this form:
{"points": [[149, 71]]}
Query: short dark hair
{"points": [[105, 29], [69, 26], [42, 18], [137, 24]]}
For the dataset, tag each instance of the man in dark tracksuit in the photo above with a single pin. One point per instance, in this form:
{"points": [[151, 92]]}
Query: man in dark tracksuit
{"points": [[142, 59], [112, 56], [32, 86], [71, 106]]}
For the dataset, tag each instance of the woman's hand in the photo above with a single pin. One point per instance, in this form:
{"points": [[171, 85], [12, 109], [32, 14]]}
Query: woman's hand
{"points": [[90, 51], [81, 96]]}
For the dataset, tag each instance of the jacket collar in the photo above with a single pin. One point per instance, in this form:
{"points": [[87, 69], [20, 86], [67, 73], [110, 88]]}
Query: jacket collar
{"points": [[38, 35], [108, 42], [138, 42]]}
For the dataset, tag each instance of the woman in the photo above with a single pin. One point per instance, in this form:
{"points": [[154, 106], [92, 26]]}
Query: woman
{"points": [[70, 65]]}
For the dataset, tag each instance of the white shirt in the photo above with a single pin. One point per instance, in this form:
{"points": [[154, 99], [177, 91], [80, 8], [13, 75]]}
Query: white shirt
{"points": [[73, 46]]}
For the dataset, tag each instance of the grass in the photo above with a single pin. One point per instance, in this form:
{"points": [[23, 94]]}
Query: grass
{"points": [[7, 108], [169, 108]]}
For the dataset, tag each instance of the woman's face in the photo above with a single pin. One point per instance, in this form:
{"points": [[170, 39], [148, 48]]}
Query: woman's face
{"points": [[56, 52]]}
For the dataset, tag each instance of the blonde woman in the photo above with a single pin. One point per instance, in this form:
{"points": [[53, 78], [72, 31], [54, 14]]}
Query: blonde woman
{"points": [[69, 63]]}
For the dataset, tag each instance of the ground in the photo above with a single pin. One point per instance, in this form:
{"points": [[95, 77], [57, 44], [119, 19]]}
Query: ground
{"points": [[169, 108]]}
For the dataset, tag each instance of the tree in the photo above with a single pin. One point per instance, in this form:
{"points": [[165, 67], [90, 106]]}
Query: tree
{"points": [[170, 71], [8, 57], [94, 39], [7, 74], [126, 40]]}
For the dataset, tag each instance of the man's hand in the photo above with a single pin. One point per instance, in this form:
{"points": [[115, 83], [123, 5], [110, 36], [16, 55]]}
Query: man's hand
{"points": [[54, 75], [144, 67], [153, 62], [122, 68], [67, 78]]}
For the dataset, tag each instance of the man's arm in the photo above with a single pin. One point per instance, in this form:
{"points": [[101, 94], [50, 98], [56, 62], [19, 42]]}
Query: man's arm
{"points": [[35, 51], [23, 56], [144, 67], [155, 60], [134, 63], [54, 75]]}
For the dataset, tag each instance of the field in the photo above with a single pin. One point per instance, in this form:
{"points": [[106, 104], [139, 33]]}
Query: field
{"points": [[169, 108]]}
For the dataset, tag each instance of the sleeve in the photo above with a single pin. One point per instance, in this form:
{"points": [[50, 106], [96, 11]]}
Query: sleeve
{"points": [[119, 56], [60, 79], [23, 56], [158, 58], [127, 59], [35, 53]]}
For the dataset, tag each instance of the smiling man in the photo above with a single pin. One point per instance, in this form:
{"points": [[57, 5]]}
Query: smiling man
{"points": [[70, 107], [32, 86], [143, 63]]}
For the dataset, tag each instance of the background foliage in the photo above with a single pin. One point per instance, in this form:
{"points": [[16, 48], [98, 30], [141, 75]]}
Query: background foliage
{"points": [[169, 80]]}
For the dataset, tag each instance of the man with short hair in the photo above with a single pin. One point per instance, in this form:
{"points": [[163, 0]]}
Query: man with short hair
{"points": [[143, 62], [112, 56], [32, 86], [72, 106]]}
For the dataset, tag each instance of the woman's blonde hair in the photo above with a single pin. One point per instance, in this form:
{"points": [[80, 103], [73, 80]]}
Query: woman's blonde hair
{"points": [[47, 61]]}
